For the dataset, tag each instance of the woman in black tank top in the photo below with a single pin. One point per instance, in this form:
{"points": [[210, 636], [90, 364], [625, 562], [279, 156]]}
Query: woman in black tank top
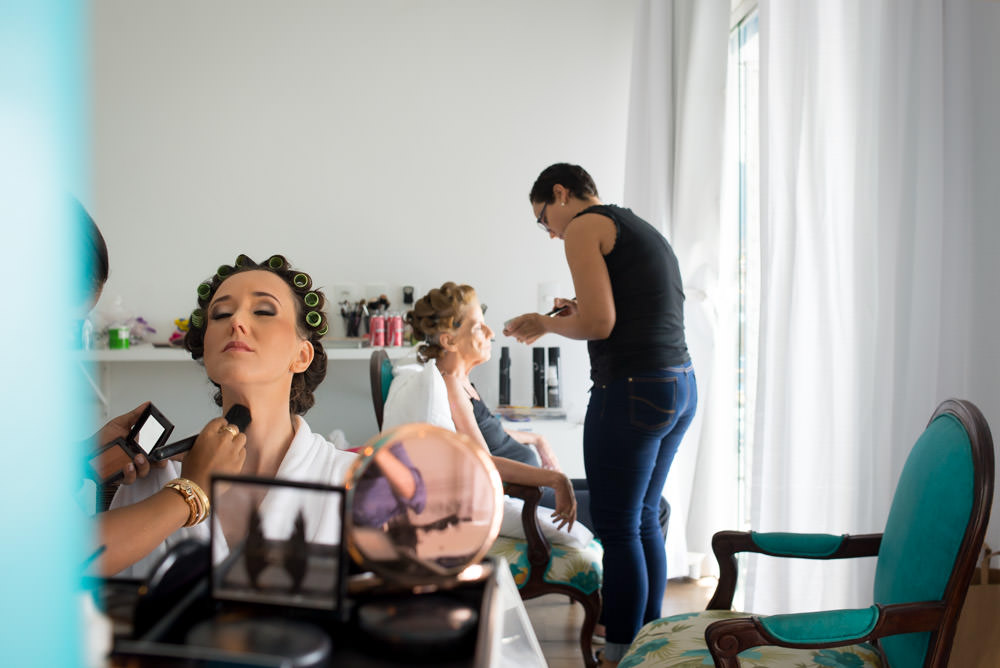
{"points": [[629, 308]]}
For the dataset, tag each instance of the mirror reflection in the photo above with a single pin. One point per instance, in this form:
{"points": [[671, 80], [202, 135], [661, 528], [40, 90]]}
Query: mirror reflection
{"points": [[149, 434], [277, 542], [425, 502]]}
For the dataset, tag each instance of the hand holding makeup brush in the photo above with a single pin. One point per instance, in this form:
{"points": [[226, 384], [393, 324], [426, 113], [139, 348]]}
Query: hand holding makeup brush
{"points": [[530, 327]]}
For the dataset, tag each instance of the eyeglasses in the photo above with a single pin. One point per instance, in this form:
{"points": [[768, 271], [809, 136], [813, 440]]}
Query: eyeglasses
{"points": [[541, 219]]}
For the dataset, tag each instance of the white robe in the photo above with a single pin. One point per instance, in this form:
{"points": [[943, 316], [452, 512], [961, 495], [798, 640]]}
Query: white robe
{"points": [[310, 458]]}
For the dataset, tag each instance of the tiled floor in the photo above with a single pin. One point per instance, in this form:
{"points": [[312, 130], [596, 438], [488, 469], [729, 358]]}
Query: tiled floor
{"points": [[557, 622]]}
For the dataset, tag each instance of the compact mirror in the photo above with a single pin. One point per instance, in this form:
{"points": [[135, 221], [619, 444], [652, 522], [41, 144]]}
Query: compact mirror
{"points": [[149, 435], [150, 431], [424, 504]]}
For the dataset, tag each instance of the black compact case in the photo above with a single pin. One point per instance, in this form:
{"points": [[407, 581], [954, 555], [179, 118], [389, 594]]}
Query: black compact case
{"points": [[149, 432]]}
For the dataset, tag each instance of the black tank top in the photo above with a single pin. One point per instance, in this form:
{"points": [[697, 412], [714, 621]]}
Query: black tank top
{"points": [[500, 443], [649, 301]]}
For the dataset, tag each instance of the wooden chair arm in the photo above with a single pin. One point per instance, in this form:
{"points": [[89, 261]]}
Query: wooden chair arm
{"points": [[728, 637], [539, 550], [727, 544]]}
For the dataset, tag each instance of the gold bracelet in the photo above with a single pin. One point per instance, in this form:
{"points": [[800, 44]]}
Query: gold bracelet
{"points": [[203, 498], [198, 504]]}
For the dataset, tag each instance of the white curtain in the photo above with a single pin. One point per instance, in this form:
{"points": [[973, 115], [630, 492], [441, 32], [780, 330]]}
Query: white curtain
{"points": [[864, 264], [673, 180]]}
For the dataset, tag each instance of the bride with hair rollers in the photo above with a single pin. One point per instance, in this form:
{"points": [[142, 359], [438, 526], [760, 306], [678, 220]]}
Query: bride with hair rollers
{"points": [[257, 329]]}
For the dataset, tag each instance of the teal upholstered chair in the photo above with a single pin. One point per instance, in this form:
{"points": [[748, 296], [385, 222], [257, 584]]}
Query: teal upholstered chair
{"points": [[380, 375], [537, 566], [926, 557]]}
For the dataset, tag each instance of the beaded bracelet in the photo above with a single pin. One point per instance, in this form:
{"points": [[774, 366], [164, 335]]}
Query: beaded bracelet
{"points": [[198, 503]]}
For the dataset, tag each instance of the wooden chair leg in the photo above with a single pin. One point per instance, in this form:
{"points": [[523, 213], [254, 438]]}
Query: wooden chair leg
{"points": [[591, 610]]}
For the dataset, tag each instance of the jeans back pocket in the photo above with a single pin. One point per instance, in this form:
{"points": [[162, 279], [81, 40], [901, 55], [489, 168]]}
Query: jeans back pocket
{"points": [[652, 402]]}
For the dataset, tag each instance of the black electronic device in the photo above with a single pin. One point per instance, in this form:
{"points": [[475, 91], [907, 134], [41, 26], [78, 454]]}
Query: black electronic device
{"points": [[149, 432], [238, 415]]}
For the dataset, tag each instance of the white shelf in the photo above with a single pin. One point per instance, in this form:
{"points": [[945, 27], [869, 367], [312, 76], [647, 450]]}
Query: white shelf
{"points": [[140, 353], [146, 352]]}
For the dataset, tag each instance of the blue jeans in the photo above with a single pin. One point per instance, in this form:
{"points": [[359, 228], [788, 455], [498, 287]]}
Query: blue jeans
{"points": [[582, 493], [631, 434]]}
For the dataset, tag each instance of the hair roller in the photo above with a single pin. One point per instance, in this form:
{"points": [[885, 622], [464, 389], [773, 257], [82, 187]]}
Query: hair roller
{"points": [[197, 319], [244, 261], [311, 299], [277, 262], [323, 330], [314, 319], [223, 271], [302, 281], [204, 290]]}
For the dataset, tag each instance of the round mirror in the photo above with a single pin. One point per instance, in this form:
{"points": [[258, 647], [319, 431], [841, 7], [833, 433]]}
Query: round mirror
{"points": [[423, 504]]}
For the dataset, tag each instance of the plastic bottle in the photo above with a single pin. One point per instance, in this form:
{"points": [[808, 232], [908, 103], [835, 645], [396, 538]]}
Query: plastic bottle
{"points": [[87, 334], [118, 329]]}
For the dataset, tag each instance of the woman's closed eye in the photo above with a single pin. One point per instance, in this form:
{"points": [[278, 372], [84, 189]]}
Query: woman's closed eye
{"points": [[264, 311]]}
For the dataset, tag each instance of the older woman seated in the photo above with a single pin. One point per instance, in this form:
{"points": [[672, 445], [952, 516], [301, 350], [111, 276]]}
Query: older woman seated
{"points": [[449, 320]]}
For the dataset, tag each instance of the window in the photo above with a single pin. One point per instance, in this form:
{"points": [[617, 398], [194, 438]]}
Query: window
{"points": [[742, 98]]}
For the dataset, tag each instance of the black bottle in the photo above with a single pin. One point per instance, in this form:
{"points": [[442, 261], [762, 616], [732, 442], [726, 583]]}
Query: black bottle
{"points": [[538, 373], [553, 378], [505, 376]]}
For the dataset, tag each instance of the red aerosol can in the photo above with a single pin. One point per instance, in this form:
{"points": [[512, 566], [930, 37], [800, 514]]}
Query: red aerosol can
{"points": [[394, 330], [376, 329]]}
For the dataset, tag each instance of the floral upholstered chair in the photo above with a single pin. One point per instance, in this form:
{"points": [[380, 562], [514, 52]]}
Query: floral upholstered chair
{"points": [[542, 559], [540, 567], [940, 511]]}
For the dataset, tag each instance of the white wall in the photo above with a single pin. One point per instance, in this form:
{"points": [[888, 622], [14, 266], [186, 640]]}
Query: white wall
{"points": [[392, 142], [388, 142]]}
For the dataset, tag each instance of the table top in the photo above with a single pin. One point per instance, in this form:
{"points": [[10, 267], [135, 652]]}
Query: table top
{"points": [[504, 639]]}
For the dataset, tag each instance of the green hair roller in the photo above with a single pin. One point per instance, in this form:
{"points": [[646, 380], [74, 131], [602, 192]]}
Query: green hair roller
{"points": [[313, 319], [243, 261], [197, 318], [301, 281], [224, 271], [204, 290], [311, 299], [324, 329], [276, 262]]}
